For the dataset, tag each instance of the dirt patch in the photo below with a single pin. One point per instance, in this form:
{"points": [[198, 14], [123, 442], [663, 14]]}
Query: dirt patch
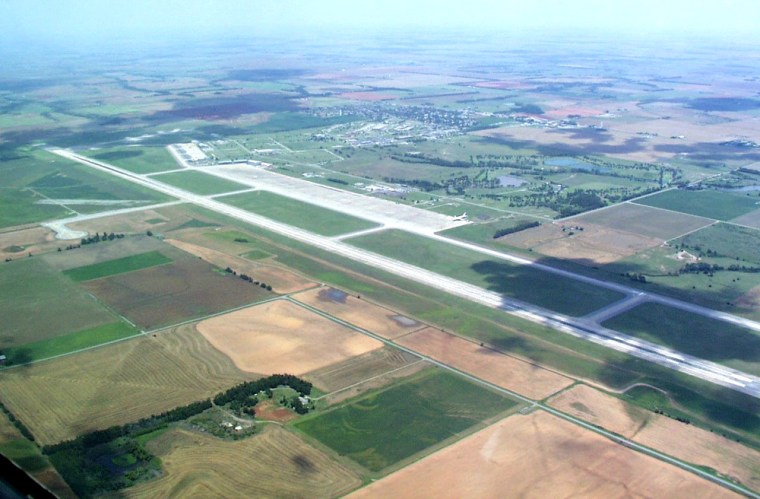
{"points": [[275, 463], [281, 280], [686, 442], [16, 244], [281, 337], [169, 294], [272, 411], [539, 456], [359, 312], [499, 369]]}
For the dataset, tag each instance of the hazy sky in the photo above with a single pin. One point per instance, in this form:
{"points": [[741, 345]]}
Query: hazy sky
{"points": [[20, 18]]}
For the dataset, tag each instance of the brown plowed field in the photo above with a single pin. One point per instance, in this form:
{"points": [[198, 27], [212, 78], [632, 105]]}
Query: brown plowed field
{"points": [[281, 337], [116, 384], [281, 280], [686, 442], [275, 463], [540, 456], [358, 312], [169, 294], [510, 373]]}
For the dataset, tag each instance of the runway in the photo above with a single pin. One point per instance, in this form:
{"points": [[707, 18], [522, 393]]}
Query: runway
{"points": [[578, 327]]}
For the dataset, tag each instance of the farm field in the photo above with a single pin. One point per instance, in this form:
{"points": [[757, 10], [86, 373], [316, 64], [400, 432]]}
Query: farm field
{"points": [[275, 463], [539, 455], [751, 219], [705, 203], [593, 246], [42, 304], [119, 266], [104, 251], [280, 336], [292, 212], [282, 280], [643, 220], [687, 442], [116, 384], [198, 182], [69, 342], [136, 159], [726, 241], [692, 334], [385, 427], [361, 368], [358, 312], [519, 376], [168, 294], [515, 281]]}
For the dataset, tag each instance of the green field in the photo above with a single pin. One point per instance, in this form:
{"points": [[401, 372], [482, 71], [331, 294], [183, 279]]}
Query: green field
{"points": [[728, 241], [692, 334], [705, 203], [522, 282], [117, 266], [70, 342], [200, 183], [40, 303], [25, 454], [30, 176], [385, 427], [136, 159], [297, 213]]}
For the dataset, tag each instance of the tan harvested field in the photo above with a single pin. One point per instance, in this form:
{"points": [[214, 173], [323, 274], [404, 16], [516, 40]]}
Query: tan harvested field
{"points": [[540, 455], [360, 368], [686, 442], [281, 280], [101, 252], [359, 312], [522, 377], [281, 337], [275, 463], [169, 294], [35, 240], [116, 384], [643, 220], [595, 245]]}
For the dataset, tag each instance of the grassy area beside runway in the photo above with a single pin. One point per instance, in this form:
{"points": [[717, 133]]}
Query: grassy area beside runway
{"points": [[522, 282], [297, 213], [200, 183], [692, 334], [136, 159]]}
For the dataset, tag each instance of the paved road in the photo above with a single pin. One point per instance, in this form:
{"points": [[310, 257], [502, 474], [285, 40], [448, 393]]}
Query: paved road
{"points": [[580, 328]]}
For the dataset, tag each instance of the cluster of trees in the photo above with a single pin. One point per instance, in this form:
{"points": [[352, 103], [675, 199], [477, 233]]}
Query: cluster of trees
{"points": [[98, 238], [150, 423], [680, 419], [636, 277], [248, 278], [710, 269], [517, 228], [245, 391], [337, 181]]}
